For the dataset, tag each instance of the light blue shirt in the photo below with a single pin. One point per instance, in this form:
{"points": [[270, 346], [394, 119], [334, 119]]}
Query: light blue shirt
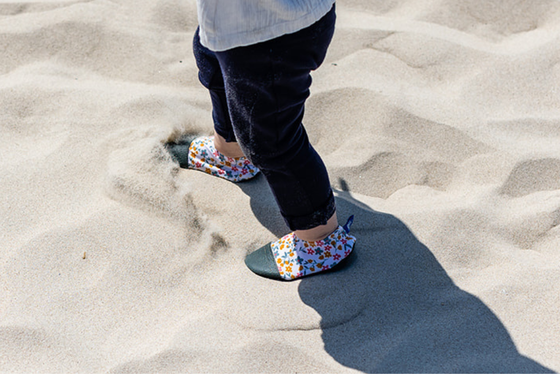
{"points": [[226, 24]]}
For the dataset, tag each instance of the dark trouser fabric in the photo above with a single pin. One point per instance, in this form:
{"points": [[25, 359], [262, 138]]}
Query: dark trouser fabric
{"points": [[258, 94]]}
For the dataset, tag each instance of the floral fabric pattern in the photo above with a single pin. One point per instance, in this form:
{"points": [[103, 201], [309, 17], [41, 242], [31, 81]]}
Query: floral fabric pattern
{"points": [[296, 258], [203, 156]]}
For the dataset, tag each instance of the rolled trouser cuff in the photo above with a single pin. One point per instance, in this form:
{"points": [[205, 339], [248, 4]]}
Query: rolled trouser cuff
{"points": [[317, 218]]}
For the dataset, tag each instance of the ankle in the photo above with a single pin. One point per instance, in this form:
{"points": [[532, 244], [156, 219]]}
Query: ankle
{"points": [[319, 232], [228, 149]]}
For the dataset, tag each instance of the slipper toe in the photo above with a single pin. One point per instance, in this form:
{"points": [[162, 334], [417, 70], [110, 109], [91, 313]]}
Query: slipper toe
{"points": [[263, 263], [179, 153], [179, 150]]}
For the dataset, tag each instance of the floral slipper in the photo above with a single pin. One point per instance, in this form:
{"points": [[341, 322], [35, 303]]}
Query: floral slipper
{"points": [[290, 258], [202, 155]]}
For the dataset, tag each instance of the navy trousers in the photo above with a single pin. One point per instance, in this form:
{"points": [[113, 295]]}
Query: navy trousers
{"points": [[258, 94]]}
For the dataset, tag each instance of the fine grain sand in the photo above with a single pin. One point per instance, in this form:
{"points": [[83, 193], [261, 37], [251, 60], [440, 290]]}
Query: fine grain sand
{"points": [[439, 122]]}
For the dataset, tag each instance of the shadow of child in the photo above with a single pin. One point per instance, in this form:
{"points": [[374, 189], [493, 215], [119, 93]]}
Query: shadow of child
{"points": [[395, 309]]}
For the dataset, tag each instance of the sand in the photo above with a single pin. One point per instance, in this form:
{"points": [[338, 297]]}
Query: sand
{"points": [[439, 122]]}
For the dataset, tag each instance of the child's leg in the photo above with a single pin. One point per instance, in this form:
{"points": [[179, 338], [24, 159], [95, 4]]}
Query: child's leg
{"points": [[219, 155], [210, 76], [267, 85]]}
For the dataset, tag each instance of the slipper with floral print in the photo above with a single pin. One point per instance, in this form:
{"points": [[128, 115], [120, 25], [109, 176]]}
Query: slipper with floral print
{"points": [[201, 154], [291, 258]]}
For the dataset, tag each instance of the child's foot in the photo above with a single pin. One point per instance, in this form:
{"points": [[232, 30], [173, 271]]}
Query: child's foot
{"points": [[202, 155], [290, 257]]}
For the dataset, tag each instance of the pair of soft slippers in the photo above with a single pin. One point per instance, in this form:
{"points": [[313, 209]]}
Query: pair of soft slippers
{"points": [[288, 258]]}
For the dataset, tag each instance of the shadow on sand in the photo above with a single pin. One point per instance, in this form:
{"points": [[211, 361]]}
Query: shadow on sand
{"points": [[393, 308]]}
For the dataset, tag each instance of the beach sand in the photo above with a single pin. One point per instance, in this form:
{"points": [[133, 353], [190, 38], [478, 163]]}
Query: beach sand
{"points": [[439, 122]]}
